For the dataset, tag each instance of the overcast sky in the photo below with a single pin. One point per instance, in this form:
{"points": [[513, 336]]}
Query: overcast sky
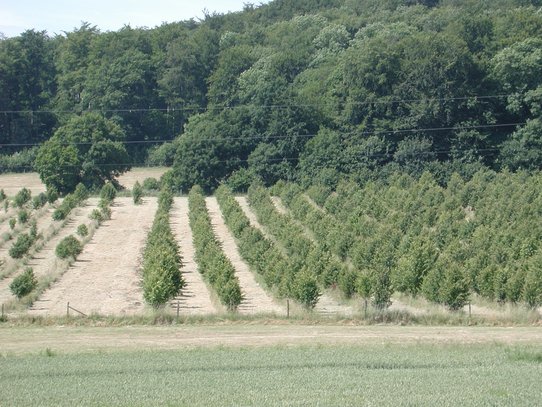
{"points": [[56, 16]]}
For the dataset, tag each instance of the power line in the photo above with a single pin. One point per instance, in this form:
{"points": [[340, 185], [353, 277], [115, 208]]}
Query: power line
{"points": [[381, 100], [261, 137]]}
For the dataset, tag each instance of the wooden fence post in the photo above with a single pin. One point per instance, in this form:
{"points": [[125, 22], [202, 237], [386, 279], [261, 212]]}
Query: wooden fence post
{"points": [[178, 308], [68, 310], [287, 309]]}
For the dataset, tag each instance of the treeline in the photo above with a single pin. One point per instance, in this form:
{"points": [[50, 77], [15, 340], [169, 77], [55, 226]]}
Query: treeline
{"points": [[303, 90]]}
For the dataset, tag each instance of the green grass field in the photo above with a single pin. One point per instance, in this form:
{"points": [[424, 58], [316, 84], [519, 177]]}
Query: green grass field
{"points": [[387, 374]]}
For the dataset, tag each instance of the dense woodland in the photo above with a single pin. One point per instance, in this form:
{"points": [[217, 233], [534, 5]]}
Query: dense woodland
{"points": [[310, 90]]}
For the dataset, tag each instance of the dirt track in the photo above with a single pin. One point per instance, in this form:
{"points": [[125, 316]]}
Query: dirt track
{"points": [[256, 300], [83, 339], [195, 298]]}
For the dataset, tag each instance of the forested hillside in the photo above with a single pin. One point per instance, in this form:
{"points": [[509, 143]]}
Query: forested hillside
{"points": [[307, 90]]}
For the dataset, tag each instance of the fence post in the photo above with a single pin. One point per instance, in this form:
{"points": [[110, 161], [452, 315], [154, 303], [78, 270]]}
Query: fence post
{"points": [[287, 309], [2, 312], [470, 314], [178, 308], [68, 310]]}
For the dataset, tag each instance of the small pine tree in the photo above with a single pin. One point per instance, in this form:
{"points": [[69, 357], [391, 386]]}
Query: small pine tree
{"points": [[532, 289], [22, 216], [108, 193], [364, 288], [454, 290], [22, 197], [24, 283], [305, 289], [382, 290], [82, 230], [137, 193], [68, 247]]}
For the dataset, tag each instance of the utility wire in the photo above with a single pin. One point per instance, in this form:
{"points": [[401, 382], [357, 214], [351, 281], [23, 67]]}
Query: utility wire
{"points": [[259, 137], [381, 100]]}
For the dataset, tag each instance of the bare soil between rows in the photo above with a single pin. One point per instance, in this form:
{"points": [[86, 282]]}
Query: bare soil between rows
{"points": [[73, 339]]}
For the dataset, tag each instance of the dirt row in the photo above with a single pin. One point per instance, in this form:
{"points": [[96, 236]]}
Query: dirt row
{"points": [[195, 298], [45, 262], [105, 278], [255, 298]]}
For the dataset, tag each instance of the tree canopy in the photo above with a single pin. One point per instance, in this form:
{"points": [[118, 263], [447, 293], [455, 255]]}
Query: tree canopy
{"points": [[300, 90], [88, 149]]}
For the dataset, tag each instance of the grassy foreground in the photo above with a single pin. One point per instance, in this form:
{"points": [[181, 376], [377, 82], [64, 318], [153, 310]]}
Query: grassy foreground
{"points": [[385, 374]]}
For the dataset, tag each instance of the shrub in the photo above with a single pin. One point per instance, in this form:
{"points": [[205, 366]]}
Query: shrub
{"points": [[21, 246], [137, 193], [68, 247], [81, 193], [2, 195], [151, 184], [34, 230], [82, 230], [108, 192], [24, 283], [6, 205], [39, 200], [52, 195], [106, 213], [59, 214], [305, 289], [22, 197], [96, 215], [12, 223], [230, 294], [22, 216]]}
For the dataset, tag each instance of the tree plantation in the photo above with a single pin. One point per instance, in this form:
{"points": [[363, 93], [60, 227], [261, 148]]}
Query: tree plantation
{"points": [[355, 153]]}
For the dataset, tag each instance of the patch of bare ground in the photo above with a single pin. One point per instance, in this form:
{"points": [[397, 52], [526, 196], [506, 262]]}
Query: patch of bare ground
{"points": [[45, 261], [279, 206], [313, 204], [13, 183], [256, 300], [252, 218], [129, 178], [195, 298], [105, 279], [73, 339]]}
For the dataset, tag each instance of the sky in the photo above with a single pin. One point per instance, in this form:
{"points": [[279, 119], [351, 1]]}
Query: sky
{"points": [[56, 16]]}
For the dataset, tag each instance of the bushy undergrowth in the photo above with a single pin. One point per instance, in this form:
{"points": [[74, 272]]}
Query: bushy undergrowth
{"points": [[212, 263]]}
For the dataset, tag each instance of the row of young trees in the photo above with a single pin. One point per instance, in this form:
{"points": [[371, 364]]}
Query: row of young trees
{"points": [[162, 262], [212, 262]]}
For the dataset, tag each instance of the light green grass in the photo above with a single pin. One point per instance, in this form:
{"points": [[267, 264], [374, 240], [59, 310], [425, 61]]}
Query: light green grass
{"points": [[390, 374]]}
